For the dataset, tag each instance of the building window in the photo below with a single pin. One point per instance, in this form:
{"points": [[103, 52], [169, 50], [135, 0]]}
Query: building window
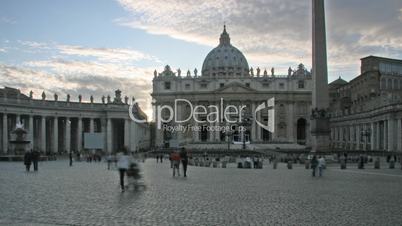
{"points": [[221, 85], [265, 85], [300, 84], [281, 85], [203, 85], [167, 85], [247, 84], [187, 86]]}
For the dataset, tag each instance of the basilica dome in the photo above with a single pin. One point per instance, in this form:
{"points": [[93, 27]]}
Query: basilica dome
{"points": [[225, 60]]}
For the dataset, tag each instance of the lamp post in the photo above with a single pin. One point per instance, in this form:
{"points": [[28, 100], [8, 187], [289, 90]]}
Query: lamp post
{"points": [[247, 119]]}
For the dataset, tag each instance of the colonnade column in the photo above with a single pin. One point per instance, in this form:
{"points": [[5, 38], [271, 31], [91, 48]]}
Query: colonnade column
{"points": [[109, 135], [68, 135], [43, 134], [127, 133], [17, 118], [5, 134], [55, 135], [79, 134], [91, 130], [31, 132]]}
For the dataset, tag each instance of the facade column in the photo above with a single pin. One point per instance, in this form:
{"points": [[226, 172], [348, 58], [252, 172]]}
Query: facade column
{"points": [[399, 135], [43, 134], [55, 135], [127, 134], [79, 134], [5, 134], [109, 135], [385, 137], [196, 133], [377, 136], [358, 137], [391, 134], [291, 123], [253, 123], [68, 135], [31, 132], [91, 125], [372, 136], [258, 128]]}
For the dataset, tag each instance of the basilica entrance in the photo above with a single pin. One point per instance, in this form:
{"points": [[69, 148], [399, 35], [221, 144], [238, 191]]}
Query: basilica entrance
{"points": [[301, 131]]}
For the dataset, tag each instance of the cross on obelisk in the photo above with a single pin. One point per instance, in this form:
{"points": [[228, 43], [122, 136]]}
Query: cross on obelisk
{"points": [[320, 130]]}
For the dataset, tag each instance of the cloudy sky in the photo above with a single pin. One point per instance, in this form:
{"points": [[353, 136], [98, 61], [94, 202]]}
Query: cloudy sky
{"points": [[93, 47]]}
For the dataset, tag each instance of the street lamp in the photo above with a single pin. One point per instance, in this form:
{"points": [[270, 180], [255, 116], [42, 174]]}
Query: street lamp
{"points": [[247, 119]]}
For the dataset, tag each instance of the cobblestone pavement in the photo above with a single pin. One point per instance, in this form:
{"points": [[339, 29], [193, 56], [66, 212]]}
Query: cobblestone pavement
{"points": [[89, 194]]}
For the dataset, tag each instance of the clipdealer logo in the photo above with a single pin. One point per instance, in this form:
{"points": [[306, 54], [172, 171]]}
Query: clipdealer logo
{"points": [[211, 114]]}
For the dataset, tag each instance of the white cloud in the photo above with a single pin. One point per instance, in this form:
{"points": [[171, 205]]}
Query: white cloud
{"points": [[2, 50], [106, 54], [277, 32], [103, 71]]}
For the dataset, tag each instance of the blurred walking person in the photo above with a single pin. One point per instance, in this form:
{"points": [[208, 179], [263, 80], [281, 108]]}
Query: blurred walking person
{"points": [[314, 164], [122, 165], [321, 165], [175, 156], [71, 158], [28, 160], [184, 160], [35, 159]]}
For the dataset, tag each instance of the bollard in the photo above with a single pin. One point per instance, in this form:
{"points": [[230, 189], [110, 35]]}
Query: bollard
{"points": [[343, 165], [392, 164], [377, 163], [275, 165], [307, 165], [290, 166]]}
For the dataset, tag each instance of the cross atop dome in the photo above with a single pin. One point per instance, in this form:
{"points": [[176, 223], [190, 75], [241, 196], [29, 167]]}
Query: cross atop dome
{"points": [[224, 39]]}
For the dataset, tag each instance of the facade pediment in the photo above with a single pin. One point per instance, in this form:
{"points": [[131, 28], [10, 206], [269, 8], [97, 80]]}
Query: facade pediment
{"points": [[235, 87]]}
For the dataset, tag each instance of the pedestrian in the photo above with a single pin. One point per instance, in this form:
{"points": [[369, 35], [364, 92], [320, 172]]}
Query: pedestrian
{"points": [[314, 163], [175, 156], [122, 165], [35, 159], [109, 161], [161, 156], [28, 160], [184, 160], [71, 158], [321, 165]]}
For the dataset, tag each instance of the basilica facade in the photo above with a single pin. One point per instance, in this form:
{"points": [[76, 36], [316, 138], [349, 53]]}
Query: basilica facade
{"points": [[226, 79]]}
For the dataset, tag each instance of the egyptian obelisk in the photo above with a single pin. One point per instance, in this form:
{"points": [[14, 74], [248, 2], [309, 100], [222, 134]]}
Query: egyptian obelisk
{"points": [[320, 130]]}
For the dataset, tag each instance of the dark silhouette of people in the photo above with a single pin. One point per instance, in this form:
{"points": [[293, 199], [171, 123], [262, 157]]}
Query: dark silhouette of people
{"points": [[28, 160], [314, 164], [71, 158], [184, 160], [35, 159]]}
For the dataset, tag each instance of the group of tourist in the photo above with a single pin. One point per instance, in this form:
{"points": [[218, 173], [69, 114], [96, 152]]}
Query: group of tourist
{"points": [[31, 157], [318, 163], [175, 159]]}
